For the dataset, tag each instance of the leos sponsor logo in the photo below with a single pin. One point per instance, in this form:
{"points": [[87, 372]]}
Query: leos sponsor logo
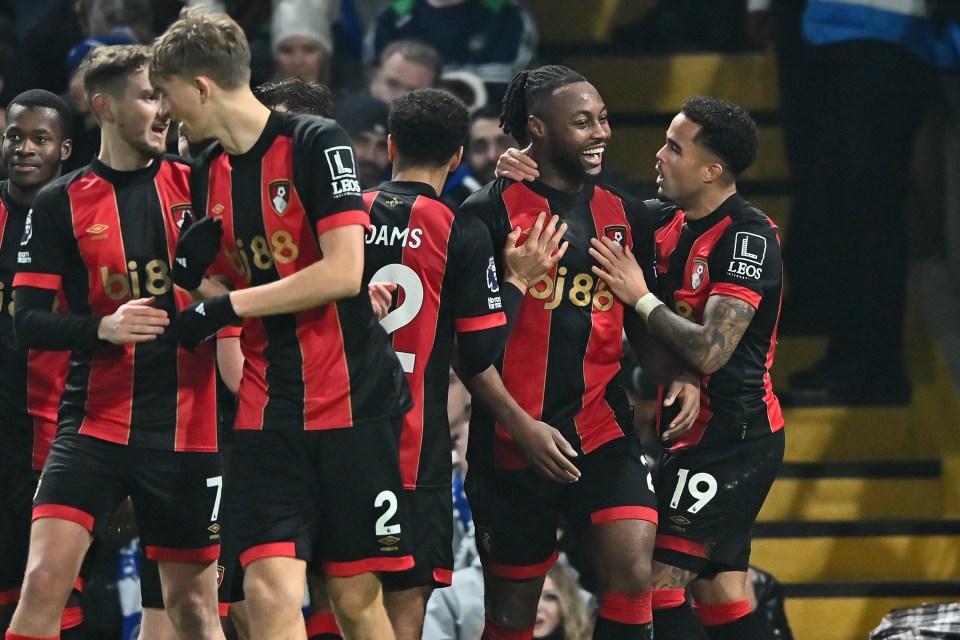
{"points": [[343, 171]]}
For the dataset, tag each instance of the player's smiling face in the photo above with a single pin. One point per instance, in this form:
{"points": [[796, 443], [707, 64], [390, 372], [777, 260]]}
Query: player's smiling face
{"points": [[577, 131], [33, 146], [142, 116]]}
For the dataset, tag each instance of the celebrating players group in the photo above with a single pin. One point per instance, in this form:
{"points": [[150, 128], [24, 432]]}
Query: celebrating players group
{"points": [[133, 277]]}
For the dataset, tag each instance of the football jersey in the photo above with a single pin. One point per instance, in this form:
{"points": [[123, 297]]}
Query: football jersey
{"points": [[734, 251], [444, 266], [31, 381], [107, 237], [322, 368], [562, 358]]}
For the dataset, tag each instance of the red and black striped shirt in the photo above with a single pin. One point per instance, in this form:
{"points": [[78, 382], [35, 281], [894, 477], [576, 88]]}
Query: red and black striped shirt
{"points": [[444, 266], [31, 381], [562, 359], [734, 251], [107, 237], [323, 368]]}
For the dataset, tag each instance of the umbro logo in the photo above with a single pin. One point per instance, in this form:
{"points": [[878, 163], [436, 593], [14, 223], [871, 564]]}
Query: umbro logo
{"points": [[98, 228]]}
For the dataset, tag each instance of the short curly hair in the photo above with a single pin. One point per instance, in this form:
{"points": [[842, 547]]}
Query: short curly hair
{"points": [[726, 129], [428, 127]]}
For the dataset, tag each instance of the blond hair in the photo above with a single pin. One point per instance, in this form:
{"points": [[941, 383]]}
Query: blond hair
{"points": [[203, 44], [574, 618]]}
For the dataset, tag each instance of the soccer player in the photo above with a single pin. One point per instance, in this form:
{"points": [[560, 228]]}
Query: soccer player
{"points": [[322, 395], [720, 281], [720, 266], [445, 267], [36, 141], [561, 368], [137, 416]]}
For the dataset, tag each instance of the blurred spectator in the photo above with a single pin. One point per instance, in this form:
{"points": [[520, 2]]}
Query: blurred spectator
{"points": [[766, 602], [403, 66], [466, 86], [487, 142], [47, 42], [16, 73], [883, 61], [562, 613], [493, 39], [106, 16], [302, 39], [365, 121]]}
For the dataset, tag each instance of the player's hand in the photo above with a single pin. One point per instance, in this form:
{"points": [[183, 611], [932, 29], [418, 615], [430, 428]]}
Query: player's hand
{"points": [[530, 261], [201, 320], [517, 165], [619, 269], [381, 297], [547, 451], [197, 248], [134, 321], [686, 391]]}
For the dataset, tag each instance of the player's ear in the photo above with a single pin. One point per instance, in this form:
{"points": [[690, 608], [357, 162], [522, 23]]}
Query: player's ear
{"points": [[102, 107], [536, 126], [204, 86], [391, 149], [713, 172], [455, 160], [66, 148]]}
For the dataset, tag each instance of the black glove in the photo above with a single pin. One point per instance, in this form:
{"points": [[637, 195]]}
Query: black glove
{"points": [[197, 248], [202, 320]]}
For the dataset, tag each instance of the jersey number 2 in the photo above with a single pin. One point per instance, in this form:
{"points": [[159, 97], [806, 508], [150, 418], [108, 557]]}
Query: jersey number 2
{"points": [[403, 315]]}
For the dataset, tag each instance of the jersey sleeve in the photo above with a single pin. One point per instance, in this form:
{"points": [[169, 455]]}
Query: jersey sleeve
{"points": [[478, 313], [43, 249], [746, 262], [476, 290], [325, 171], [40, 268], [486, 206]]}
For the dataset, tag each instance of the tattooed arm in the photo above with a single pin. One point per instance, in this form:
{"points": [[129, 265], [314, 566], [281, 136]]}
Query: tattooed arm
{"points": [[706, 347]]}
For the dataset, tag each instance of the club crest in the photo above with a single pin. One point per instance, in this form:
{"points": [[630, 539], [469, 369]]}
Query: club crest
{"points": [[699, 273], [182, 215], [617, 233], [280, 195]]}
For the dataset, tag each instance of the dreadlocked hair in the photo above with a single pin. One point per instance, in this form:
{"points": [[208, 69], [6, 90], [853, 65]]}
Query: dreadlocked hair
{"points": [[524, 93]]}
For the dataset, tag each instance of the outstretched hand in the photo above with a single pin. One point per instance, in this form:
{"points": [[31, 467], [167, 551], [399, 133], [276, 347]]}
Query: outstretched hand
{"points": [[619, 269], [527, 263], [134, 321]]}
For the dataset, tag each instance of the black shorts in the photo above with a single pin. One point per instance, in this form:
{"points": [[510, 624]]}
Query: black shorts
{"points": [[709, 499], [334, 496], [516, 513], [17, 486], [176, 495], [431, 517]]}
